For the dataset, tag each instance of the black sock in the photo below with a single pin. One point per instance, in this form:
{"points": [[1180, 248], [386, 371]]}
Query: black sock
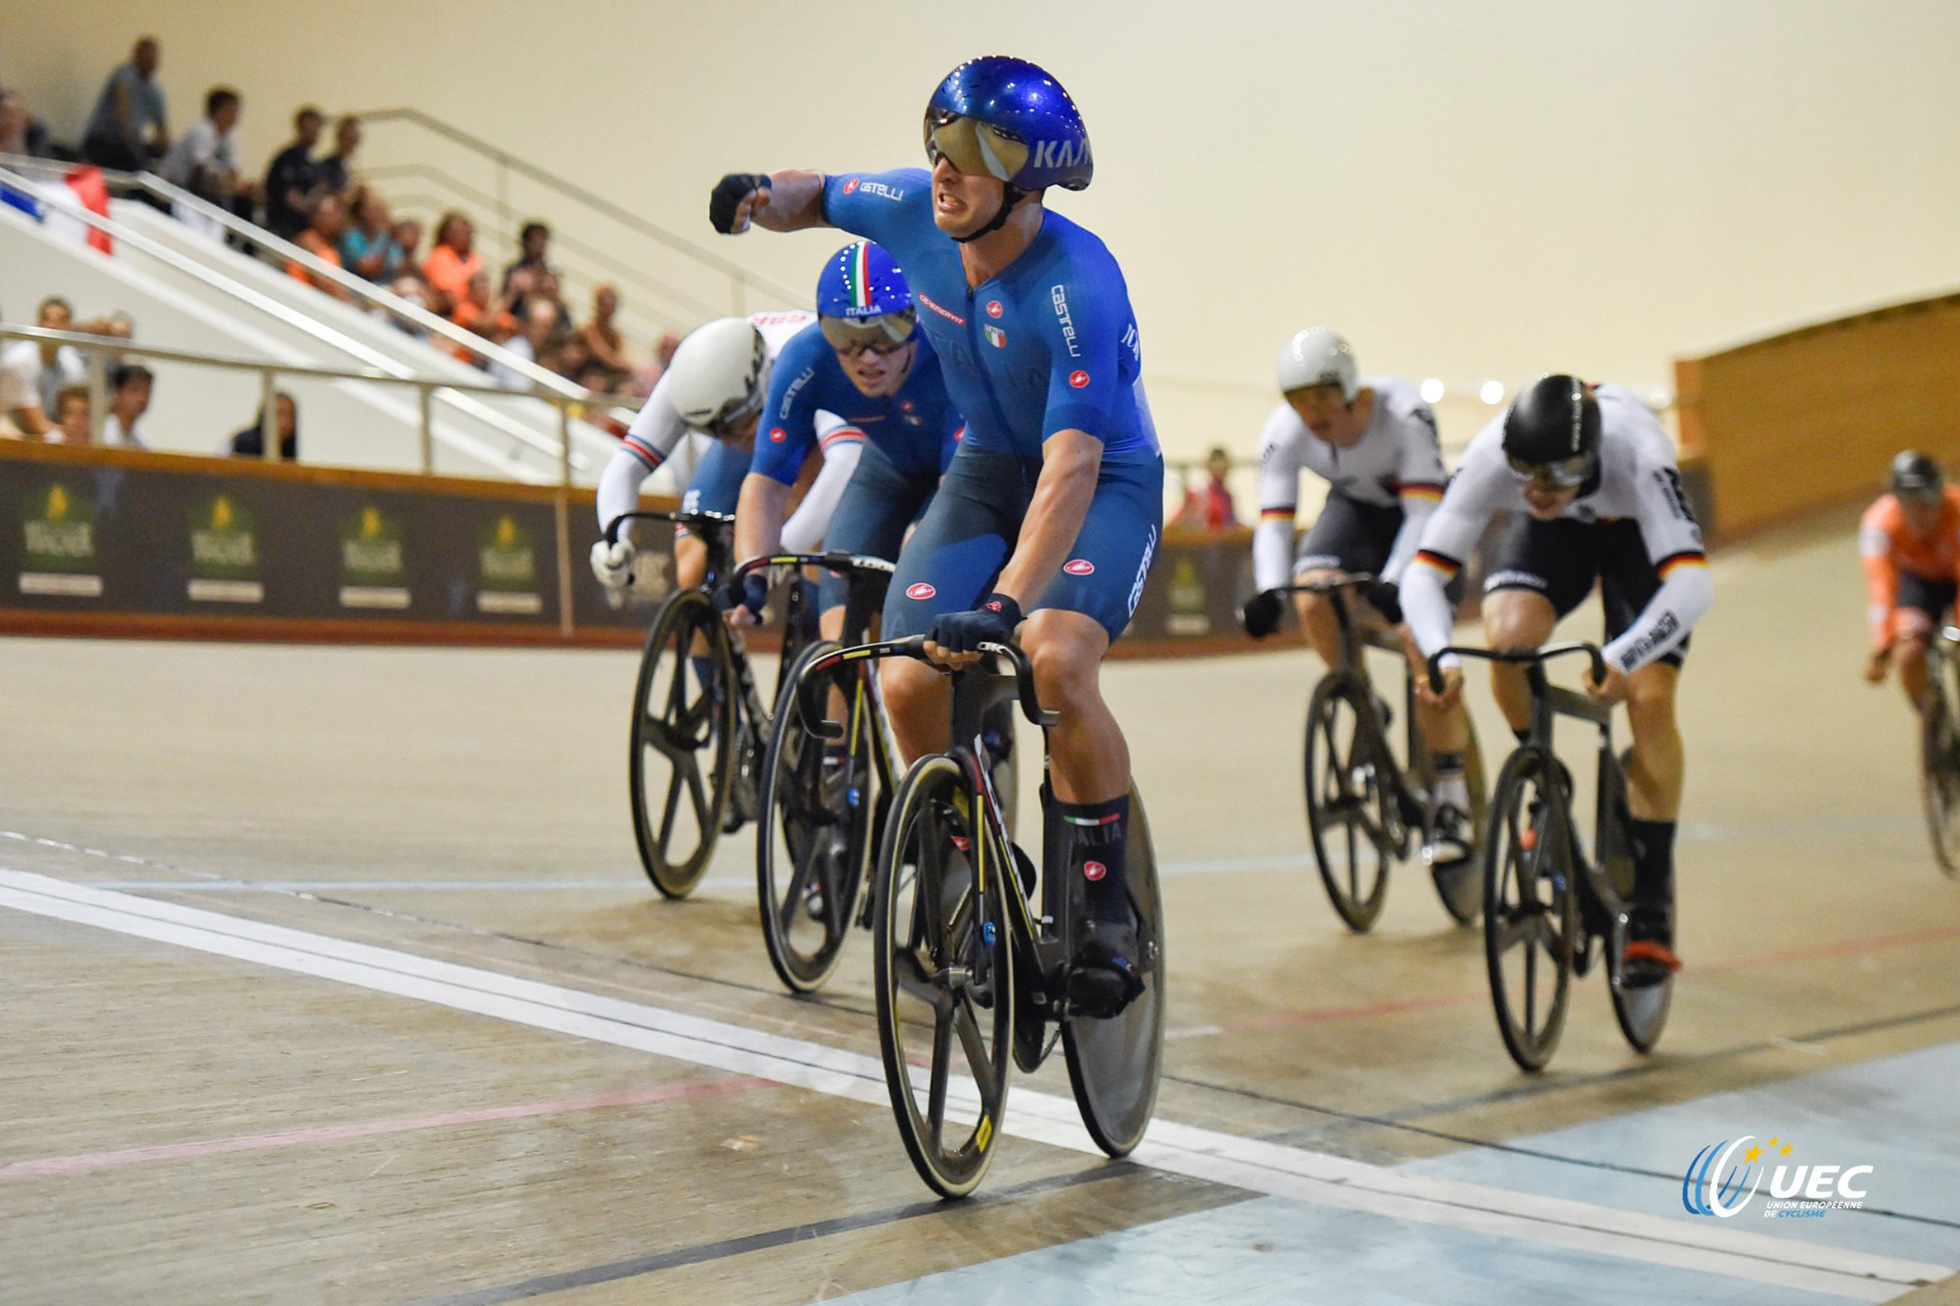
{"points": [[1653, 864], [1448, 762], [1524, 736], [1098, 836]]}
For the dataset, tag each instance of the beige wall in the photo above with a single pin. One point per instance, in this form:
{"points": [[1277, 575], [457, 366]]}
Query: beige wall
{"points": [[1465, 189]]}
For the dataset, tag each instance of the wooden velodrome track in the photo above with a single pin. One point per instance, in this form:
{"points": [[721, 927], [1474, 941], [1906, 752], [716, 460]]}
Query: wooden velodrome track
{"points": [[331, 976]]}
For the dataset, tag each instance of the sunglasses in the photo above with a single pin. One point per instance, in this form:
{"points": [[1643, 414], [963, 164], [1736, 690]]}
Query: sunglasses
{"points": [[884, 334], [1565, 474], [975, 149]]}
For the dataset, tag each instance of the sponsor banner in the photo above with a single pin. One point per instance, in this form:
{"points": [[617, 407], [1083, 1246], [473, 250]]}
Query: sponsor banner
{"points": [[122, 534]]}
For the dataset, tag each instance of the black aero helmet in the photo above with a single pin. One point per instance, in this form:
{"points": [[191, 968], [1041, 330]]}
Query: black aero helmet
{"points": [[1551, 434], [1916, 476]]}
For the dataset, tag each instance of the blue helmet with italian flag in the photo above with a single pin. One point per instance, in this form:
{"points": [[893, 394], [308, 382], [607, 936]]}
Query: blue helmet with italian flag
{"points": [[863, 298]]}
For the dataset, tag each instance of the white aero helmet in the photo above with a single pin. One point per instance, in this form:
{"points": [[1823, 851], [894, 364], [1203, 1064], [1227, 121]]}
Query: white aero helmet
{"points": [[718, 375], [1316, 356]]}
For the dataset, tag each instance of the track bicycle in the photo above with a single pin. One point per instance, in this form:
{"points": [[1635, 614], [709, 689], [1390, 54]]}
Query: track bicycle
{"points": [[700, 724], [1366, 810], [970, 948], [1550, 911], [827, 781], [1939, 748]]}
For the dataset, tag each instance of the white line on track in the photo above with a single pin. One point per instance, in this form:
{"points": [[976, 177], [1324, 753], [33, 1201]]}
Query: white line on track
{"points": [[1247, 1163]]}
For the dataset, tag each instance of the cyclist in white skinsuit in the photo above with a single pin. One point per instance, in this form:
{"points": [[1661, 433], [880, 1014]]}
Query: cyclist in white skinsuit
{"points": [[1374, 442], [1590, 482], [716, 385]]}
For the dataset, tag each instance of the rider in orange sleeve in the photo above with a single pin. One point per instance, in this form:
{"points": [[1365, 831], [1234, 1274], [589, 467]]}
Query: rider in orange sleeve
{"points": [[1910, 540]]}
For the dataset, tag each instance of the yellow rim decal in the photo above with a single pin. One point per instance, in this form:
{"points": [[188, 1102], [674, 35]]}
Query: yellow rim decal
{"points": [[984, 1132]]}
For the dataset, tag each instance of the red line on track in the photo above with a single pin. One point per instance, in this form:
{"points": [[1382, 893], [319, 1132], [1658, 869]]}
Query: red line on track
{"points": [[87, 1162]]}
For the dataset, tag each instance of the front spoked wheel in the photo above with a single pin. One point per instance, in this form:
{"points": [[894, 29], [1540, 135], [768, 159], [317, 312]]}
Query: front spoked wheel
{"points": [[1346, 778], [814, 837], [682, 751], [1939, 777], [1529, 911], [1114, 1064], [942, 965]]}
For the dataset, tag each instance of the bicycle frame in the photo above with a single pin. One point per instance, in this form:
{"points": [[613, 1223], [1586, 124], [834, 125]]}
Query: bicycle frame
{"points": [[1548, 703], [1356, 639]]}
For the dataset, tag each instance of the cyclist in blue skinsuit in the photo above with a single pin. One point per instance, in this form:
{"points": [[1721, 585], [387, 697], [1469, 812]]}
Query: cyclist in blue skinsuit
{"points": [[865, 362], [1053, 504]]}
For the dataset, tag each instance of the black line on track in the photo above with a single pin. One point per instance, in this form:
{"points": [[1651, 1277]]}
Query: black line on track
{"points": [[1402, 1121], [653, 1263]]}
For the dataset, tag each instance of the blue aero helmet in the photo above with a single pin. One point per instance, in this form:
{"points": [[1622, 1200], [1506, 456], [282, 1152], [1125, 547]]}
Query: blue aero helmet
{"points": [[863, 300], [1006, 118]]}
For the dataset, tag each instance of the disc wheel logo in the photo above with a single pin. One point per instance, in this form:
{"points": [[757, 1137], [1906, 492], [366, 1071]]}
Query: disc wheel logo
{"points": [[1711, 1182], [1079, 567], [920, 591], [1094, 870], [1078, 379]]}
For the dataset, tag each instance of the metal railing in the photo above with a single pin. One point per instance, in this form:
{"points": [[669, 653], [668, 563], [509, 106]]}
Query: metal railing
{"points": [[748, 290], [544, 384], [427, 389]]}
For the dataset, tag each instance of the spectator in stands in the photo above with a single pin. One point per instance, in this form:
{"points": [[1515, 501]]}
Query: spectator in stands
{"points": [[532, 243], [250, 442], [408, 234], [368, 246], [128, 128], [603, 341], [33, 372], [294, 177], [20, 131], [452, 262], [1209, 507], [129, 398], [567, 355], [204, 161], [410, 287], [533, 343], [645, 378], [321, 239], [337, 169], [71, 416]]}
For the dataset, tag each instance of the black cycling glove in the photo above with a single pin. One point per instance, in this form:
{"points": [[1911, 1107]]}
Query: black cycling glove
{"points": [[993, 622], [728, 195], [1261, 613]]}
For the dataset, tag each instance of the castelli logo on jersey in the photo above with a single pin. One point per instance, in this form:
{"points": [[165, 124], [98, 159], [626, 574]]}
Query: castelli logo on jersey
{"points": [[1094, 870], [994, 309], [920, 591], [906, 405], [777, 435], [1078, 379], [1079, 567], [850, 185]]}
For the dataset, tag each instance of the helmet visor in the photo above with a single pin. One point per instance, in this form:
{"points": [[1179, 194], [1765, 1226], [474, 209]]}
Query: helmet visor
{"points": [[974, 148], [1565, 474], [881, 334], [725, 423]]}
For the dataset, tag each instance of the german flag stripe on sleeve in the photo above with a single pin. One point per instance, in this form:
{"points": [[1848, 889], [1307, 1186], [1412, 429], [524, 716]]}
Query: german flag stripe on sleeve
{"points": [[1441, 562], [1686, 558], [643, 453], [1422, 489], [1287, 511]]}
